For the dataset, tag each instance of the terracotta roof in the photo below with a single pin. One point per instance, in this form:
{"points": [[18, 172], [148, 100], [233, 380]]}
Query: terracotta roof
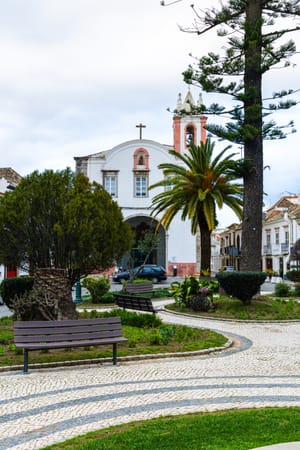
{"points": [[10, 175]]}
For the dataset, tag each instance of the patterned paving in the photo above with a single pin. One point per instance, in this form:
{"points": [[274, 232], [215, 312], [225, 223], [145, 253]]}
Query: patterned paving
{"points": [[51, 405]]}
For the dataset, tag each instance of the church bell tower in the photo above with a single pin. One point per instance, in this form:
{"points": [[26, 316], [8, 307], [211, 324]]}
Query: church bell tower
{"points": [[188, 126]]}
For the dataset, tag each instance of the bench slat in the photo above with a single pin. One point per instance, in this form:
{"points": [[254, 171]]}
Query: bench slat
{"points": [[65, 330], [67, 337], [68, 344], [136, 288], [65, 323]]}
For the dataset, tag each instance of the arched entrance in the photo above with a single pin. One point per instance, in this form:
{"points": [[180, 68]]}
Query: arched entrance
{"points": [[143, 225]]}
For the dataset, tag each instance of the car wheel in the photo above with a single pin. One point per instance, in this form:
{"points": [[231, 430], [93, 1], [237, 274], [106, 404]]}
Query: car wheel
{"points": [[155, 280]]}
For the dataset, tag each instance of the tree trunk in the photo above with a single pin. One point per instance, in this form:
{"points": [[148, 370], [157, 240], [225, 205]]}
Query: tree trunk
{"points": [[55, 283], [253, 150], [205, 243]]}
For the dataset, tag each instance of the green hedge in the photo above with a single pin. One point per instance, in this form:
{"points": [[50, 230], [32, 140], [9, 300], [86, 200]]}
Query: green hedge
{"points": [[242, 285], [97, 287], [293, 275], [10, 287]]}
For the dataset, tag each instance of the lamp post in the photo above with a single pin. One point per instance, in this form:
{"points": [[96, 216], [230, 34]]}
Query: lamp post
{"points": [[78, 298]]}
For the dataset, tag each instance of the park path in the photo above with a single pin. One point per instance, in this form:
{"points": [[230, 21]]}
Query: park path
{"points": [[51, 405]]}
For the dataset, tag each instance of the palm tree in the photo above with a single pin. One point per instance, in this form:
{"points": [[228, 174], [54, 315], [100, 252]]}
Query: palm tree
{"points": [[199, 184]]}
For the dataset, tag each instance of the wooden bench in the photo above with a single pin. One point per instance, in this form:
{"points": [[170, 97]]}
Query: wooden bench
{"points": [[130, 297], [131, 301], [138, 288], [42, 335]]}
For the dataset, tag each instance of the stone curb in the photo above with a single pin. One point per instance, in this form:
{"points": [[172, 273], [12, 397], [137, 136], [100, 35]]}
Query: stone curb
{"points": [[86, 362]]}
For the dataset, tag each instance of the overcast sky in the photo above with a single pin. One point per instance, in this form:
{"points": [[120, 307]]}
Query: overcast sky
{"points": [[78, 75]]}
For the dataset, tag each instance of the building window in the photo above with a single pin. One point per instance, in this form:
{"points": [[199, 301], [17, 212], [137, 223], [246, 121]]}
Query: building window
{"points": [[110, 183], [141, 185], [277, 236], [286, 237]]}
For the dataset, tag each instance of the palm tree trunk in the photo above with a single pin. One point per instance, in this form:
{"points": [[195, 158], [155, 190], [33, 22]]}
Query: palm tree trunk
{"points": [[205, 243]]}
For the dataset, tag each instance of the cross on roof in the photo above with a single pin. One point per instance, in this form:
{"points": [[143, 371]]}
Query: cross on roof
{"points": [[141, 126]]}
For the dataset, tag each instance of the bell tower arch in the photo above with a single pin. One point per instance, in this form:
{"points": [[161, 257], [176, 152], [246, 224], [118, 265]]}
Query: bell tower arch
{"points": [[188, 126]]}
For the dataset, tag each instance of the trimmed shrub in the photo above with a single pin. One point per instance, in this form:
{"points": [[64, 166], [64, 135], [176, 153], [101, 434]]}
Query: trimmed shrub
{"points": [[15, 286], [242, 285], [97, 287], [293, 275], [282, 290]]}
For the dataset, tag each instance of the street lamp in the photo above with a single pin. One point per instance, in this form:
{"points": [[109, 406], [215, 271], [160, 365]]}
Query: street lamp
{"points": [[78, 298]]}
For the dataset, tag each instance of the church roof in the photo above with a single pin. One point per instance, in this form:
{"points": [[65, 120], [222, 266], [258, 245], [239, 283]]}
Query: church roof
{"points": [[134, 143]]}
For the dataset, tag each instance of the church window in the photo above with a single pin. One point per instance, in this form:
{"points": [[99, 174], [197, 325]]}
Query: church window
{"points": [[110, 180], [141, 185]]}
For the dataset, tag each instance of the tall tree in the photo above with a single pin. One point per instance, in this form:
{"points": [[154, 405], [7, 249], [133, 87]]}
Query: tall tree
{"points": [[197, 185], [59, 220], [254, 29]]}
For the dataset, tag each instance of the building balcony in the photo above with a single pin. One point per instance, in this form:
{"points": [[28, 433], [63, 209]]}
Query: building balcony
{"points": [[267, 249], [276, 249], [285, 248]]}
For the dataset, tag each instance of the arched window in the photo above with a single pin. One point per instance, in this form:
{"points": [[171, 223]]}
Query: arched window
{"points": [[189, 135]]}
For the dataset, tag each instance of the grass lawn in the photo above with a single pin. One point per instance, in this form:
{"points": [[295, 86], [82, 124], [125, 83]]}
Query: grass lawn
{"points": [[231, 430], [146, 334], [261, 308]]}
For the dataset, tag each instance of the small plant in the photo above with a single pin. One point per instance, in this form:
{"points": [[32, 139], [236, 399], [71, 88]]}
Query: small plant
{"points": [[184, 291], [282, 290], [296, 291], [155, 338], [167, 333], [203, 300], [270, 273], [97, 287]]}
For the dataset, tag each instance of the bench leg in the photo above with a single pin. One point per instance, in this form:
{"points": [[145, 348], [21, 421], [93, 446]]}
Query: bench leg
{"points": [[25, 361], [114, 353]]}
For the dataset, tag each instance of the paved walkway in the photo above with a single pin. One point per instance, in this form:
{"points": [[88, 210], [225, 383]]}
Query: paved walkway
{"points": [[48, 406]]}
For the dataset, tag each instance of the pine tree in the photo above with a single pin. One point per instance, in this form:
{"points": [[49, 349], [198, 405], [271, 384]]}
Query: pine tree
{"points": [[254, 30]]}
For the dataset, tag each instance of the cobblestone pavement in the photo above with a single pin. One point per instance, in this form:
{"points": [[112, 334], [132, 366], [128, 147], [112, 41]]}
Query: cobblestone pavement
{"points": [[51, 405]]}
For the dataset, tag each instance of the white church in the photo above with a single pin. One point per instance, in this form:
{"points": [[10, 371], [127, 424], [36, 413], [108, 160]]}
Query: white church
{"points": [[126, 172]]}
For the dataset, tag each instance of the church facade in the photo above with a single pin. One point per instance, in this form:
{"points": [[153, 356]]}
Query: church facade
{"points": [[127, 170]]}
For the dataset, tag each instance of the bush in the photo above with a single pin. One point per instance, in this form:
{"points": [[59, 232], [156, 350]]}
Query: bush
{"points": [[297, 290], [184, 291], [97, 287], [16, 286], [293, 275], [282, 290], [242, 285], [135, 319]]}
